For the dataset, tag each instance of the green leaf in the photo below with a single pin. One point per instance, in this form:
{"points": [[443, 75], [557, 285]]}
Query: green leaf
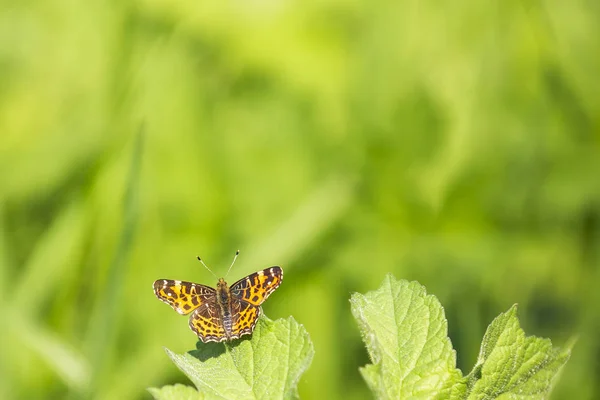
{"points": [[176, 392], [266, 366], [511, 365], [406, 336]]}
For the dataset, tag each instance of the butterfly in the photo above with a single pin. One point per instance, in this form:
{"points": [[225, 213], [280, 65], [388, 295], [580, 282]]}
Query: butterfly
{"points": [[225, 313]]}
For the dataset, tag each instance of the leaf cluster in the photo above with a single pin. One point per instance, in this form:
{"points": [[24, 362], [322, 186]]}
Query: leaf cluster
{"points": [[405, 332]]}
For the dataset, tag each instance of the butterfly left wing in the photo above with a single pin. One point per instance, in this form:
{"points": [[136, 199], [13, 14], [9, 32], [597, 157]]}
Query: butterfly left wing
{"points": [[255, 288], [183, 296]]}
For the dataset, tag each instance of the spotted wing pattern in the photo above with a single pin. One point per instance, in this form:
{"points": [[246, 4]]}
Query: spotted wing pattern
{"points": [[184, 297], [255, 288], [206, 322], [244, 319]]}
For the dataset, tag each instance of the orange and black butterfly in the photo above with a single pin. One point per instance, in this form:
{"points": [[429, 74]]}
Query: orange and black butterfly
{"points": [[225, 313]]}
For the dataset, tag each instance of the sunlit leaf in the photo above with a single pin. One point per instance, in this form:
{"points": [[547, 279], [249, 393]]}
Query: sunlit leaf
{"points": [[405, 331], [406, 336], [512, 365], [266, 366]]}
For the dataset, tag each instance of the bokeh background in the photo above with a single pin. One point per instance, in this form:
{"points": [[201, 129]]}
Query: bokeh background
{"points": [[453, 143]]}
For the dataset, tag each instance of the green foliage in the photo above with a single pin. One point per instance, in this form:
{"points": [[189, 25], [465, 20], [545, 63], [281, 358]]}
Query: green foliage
{"points": [[266, 366], [451, 143], [513, 365], [405, 331]]}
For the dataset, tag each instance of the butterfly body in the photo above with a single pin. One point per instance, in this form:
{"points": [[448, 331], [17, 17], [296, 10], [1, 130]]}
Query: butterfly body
{"points": [[224, 301], [225, 313]]}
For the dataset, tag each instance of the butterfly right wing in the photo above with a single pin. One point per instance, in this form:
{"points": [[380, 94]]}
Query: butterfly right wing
{"points": [[244, 318], [184, 297], [255, 288]]}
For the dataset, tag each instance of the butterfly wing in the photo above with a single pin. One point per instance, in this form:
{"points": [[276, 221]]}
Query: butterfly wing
{"points": [[207, 324], [184, 297], [244, 318], [255, 288]]}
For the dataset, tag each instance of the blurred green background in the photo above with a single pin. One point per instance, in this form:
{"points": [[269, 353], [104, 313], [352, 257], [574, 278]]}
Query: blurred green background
{"points": [[453, 143]]}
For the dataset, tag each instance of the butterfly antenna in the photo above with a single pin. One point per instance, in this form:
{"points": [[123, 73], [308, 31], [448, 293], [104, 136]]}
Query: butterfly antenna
{"points": [[237, 253], [202, 262]]}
